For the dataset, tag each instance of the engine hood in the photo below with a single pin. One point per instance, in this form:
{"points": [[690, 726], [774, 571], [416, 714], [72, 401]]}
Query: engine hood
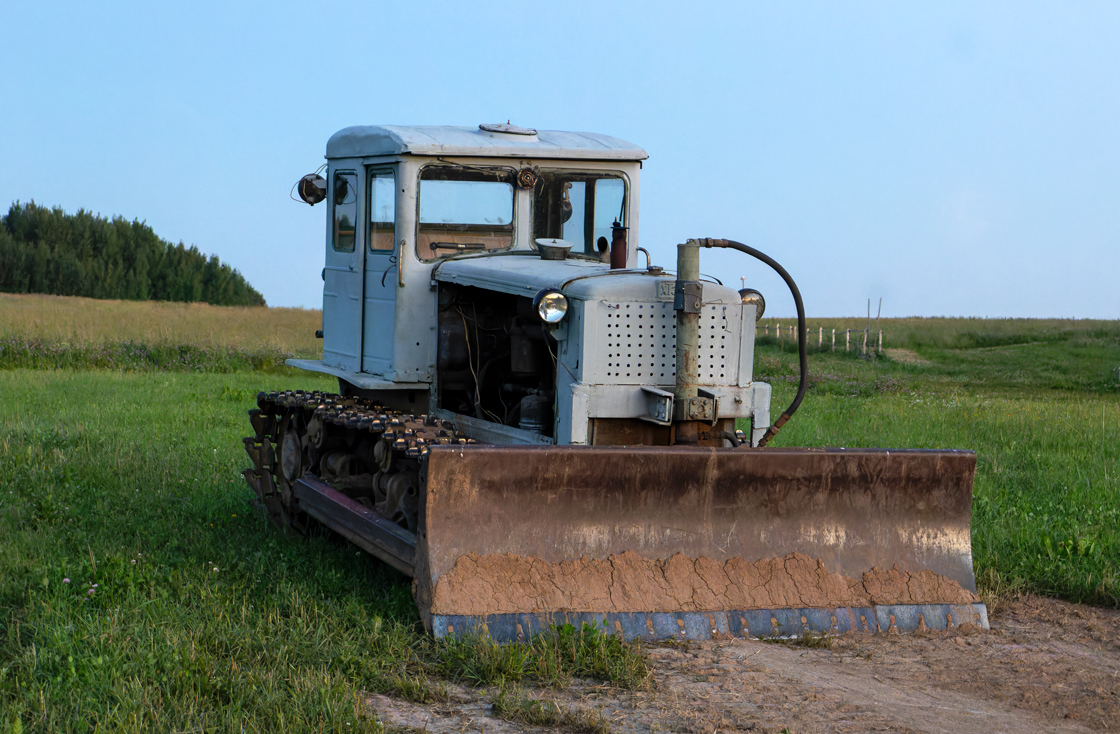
{"points": [[524, 273]]}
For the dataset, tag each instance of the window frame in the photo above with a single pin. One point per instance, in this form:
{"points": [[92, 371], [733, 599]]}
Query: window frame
{"points": [[497, 173], [371, 173], [584, 175], [353, 175]]}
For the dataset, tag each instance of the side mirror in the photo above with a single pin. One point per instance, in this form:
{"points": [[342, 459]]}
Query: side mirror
{"points": [[341, 190]]}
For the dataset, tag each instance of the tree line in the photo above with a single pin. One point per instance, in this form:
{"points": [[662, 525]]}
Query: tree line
{"points": [[49, 251]]}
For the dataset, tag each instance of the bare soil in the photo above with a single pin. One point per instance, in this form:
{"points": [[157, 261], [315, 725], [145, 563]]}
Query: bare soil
{"points": [[1045, 666], [906, 356]]}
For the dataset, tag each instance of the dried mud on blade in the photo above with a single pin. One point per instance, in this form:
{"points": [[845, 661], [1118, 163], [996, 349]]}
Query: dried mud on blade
{"points": [[694, 543]]}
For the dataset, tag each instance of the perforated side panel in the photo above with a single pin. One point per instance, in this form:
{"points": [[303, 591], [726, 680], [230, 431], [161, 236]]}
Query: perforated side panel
{"points": [[641, 345]]}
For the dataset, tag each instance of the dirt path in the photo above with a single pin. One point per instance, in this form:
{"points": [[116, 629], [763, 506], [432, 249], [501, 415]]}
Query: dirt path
{"points": [[1046, 666], [906, 356]]}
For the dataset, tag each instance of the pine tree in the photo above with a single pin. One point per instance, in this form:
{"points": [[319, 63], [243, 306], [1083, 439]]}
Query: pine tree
{"points": [[49, 251]]}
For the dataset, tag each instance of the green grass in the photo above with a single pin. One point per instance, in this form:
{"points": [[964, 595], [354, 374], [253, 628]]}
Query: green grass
{"points": [[1004, 355], [512, 705], [551, 660], [17, 352], [202, 617]]}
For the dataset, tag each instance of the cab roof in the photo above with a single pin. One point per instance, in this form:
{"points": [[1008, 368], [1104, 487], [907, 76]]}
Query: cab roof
{"points": [[446, 140]]}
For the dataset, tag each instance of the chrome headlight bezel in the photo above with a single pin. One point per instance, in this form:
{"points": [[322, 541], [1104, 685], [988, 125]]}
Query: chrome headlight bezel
{"points": [[751, 297], [551, 306]]}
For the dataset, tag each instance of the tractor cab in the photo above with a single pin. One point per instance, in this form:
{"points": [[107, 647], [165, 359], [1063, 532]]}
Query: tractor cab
{"points": [[404, 199]]}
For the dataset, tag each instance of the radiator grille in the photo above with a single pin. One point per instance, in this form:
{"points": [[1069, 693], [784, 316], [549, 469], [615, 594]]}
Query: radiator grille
{"points": [[641, 344]]}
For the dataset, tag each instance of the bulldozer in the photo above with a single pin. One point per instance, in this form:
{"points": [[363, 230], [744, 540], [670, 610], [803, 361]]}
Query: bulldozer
{"points": [[541, 427]]}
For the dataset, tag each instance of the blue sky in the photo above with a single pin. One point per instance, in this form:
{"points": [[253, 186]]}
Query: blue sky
{"points": [[955, 159]]}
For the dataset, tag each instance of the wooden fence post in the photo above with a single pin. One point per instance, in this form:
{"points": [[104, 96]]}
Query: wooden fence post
{"points": [[834, 340], [880, 341], [847, 340]]}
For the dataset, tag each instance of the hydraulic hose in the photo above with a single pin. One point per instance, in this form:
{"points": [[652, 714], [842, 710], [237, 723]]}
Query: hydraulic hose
{"points": [[802, 348]]}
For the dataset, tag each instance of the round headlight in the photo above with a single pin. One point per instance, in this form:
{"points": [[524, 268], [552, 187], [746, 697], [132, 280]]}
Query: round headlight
{"points": [[751, 297], [551, 306]]}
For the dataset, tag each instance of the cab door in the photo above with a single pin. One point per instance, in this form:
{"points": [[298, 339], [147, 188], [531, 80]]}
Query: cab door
{"points": [[342, 276], [382, 271]]}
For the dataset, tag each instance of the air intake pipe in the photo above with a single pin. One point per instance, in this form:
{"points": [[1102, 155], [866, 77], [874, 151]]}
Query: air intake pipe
{"points": [[689, 407]]}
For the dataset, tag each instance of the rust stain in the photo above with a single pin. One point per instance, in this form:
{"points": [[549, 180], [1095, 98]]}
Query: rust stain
{"points": [[506, 583]]}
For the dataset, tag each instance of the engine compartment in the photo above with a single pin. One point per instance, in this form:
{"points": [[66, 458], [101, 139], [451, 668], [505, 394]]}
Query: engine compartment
{"points": [[495, 360]]}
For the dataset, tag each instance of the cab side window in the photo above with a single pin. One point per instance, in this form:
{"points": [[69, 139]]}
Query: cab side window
{"points": [[382, 210], [344, 200]]}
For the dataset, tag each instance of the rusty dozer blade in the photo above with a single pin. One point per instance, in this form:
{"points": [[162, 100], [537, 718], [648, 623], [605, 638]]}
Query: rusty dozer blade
{"points": [[695, 543]]}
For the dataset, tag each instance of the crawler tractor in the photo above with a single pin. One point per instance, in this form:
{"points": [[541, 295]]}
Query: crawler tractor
{"points": [[539, 426]]}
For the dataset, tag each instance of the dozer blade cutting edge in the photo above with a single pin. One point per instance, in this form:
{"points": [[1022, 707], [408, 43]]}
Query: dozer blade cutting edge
{"points": [[695, 543]]}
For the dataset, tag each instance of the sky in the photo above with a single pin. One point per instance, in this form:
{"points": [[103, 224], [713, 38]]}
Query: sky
{"points": [[951, 159]]}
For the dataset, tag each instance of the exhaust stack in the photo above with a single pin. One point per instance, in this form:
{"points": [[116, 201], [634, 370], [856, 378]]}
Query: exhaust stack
{"points": [[618, 247], [689, 408]]}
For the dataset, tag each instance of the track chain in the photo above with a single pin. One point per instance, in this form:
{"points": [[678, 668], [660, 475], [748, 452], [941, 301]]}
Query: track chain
{"points": [[407, 435]]}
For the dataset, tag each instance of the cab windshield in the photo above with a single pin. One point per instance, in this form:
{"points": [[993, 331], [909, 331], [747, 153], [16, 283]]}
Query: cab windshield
{"points": [[580, 208], [463, 210]]}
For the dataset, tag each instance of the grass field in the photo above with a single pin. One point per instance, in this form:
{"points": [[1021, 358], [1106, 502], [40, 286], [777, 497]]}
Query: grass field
{"points": [[45, 332], [139, 593]]}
